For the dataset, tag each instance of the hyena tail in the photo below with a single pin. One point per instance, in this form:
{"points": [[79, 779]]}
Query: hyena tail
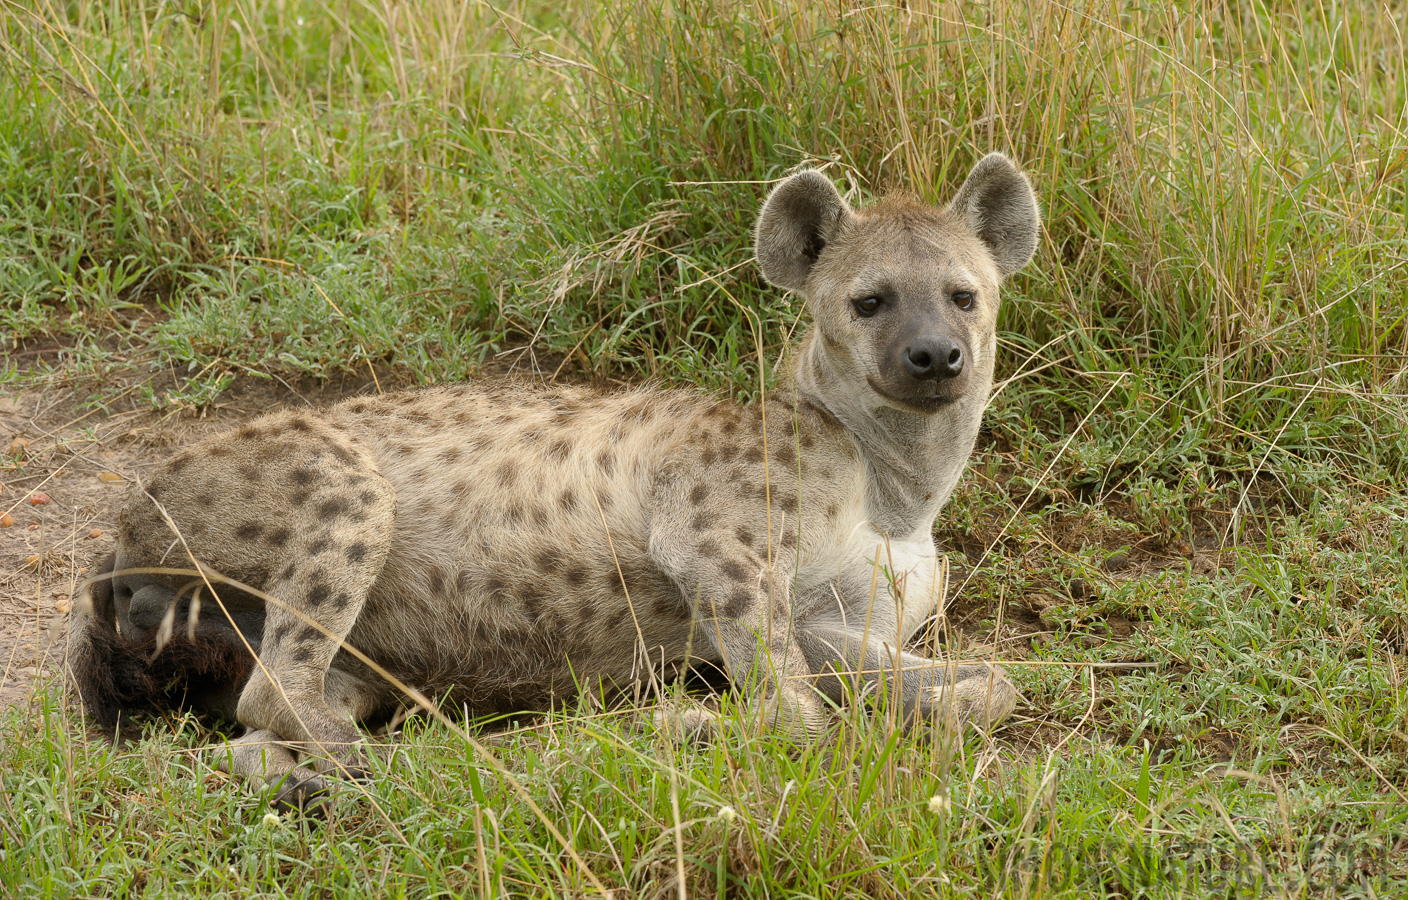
{"points": [[116, 674]]}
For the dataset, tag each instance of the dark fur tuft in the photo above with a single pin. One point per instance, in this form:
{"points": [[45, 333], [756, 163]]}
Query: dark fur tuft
{"points": [[115, 677]]}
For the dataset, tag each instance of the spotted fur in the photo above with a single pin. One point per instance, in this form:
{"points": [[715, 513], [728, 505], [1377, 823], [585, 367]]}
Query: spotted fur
{"points": [[503, 544]]}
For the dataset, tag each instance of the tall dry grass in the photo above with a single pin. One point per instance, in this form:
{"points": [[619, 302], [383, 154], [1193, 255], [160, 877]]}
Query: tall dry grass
{"points": [[1223, 183]]}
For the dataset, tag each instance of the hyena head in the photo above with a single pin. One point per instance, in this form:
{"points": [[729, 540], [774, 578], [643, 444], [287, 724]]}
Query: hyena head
{"points": [[904, 295]]}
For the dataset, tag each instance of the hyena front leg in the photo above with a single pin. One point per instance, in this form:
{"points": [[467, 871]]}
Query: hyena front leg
{"points": [[930, 690], [262, 758], [322, 589], [743, 607]]}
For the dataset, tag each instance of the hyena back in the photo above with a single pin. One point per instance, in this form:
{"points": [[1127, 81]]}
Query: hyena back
{"points": [[504, 545]]}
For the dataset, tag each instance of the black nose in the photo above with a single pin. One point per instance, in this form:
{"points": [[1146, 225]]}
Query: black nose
{"points": [[929, 358]]}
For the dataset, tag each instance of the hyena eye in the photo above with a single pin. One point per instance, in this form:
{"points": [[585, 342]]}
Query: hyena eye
{"points": [[963, 299], [868, 306]]}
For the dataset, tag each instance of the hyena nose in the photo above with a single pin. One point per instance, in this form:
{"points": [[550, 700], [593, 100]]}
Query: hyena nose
{"points": [[933, 358]]}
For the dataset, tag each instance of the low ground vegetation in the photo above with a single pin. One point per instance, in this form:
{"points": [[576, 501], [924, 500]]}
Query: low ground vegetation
{"points": [[1184, 530]]}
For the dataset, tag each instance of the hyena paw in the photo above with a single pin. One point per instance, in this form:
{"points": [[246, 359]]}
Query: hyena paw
{"points": [[982, 696], [688, 722]]}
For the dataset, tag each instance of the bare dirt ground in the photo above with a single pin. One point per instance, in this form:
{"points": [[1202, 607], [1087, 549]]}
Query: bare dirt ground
{"points": [[65, 467]]}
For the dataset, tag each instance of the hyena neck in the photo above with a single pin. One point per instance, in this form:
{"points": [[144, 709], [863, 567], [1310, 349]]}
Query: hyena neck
{"points": [[913, 460]]}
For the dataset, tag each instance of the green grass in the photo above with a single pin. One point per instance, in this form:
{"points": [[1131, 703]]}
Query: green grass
{"points": [[1200, 464]]}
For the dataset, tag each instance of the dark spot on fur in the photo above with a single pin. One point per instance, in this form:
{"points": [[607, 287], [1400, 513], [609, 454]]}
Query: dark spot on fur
{"points": [[368, 498], [533, 597], [356, 552], [299, 425], [341, 601], [833, 509], [303, 654], [451, 454], [342, 454], [332, 508], [507, 474], [745, 537], [639, 408], [540, 516], [606, 461], [308, 634], [218, 452], [319, 594], [302, 476], [576, 576], [699, 522], [729, 427], [206, 499], [559, 449], [753, 455], [738, 602], [278, 537], [733, 571], [707, 548], [808, 442], [321, 545], [437, 582], [179, 463], [788, 504], [300, 497], [288, 571], [249, 432], [514, 514], [708, 455], [567, 499], [249, 531], [785, 454], [698, 494], [548, 560]]}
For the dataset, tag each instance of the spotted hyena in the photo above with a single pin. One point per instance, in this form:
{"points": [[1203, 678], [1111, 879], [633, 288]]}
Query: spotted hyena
{"points": [[504, 544]]}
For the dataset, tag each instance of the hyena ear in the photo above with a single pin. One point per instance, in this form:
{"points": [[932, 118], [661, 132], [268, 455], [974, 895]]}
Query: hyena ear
{"points": [[800, 217], [1000, 206]]}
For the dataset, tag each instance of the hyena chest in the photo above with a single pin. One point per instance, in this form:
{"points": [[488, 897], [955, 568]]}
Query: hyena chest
{"points": [[858, 576]]}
